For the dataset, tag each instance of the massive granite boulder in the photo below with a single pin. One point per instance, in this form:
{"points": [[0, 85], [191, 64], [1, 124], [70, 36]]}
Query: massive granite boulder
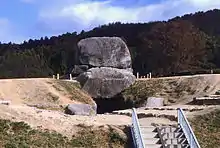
{"points": [[105, 82], [104, 52]]}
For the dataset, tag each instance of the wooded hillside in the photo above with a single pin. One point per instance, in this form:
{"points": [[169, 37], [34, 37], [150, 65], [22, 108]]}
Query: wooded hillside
{"points": [[190, 43]]}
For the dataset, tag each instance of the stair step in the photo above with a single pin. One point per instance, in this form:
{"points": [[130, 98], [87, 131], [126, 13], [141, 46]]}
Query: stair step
{"points": [[152, 140], [150, 135], [173, 135], [176, 141], [170, 129], [153, 145], [177, 146], [148, 129]]}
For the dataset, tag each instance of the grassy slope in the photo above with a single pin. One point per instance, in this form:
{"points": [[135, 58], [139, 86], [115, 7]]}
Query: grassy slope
{"points": [[207, 129], [70, 90], [173, 90], [20, 135], [73, 91], [141, 90]]}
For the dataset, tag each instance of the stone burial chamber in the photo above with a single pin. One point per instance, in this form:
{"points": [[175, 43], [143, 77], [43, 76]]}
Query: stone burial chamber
{"points": [[104, 68]]}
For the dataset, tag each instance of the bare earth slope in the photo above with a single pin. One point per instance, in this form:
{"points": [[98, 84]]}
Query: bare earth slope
{"points": [[175, 90], [24, 94], [37, 102], [40, 91], [57, 121]]}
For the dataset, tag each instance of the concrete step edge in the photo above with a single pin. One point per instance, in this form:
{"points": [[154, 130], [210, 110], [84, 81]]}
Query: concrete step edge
{"points": [[170, 132], [176, 145], [151, 138], [176, 138], [153, 145]]}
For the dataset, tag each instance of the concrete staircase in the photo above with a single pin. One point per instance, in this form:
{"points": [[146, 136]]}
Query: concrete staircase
{"points": [[163, 137]]}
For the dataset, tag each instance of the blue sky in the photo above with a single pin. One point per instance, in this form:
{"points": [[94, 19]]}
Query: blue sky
{"points": [[24, 19]]}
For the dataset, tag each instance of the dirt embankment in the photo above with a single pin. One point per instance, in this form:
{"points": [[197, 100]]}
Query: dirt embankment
{"points": [[48, 92], [175, 90], [49, 95], [39, 102], [57, 121]]}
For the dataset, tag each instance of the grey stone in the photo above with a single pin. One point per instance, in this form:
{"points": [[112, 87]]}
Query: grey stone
{"points": [[81, 109], [105, 82], [5, 102], [104, 52], [129, 69], [217, 92], [155, 102]]}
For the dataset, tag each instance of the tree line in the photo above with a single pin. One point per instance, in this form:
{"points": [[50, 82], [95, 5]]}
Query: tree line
{"points": [[187, 44]]}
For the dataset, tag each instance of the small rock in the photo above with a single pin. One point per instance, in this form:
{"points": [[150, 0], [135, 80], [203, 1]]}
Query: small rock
{"points": [[39, 112], [81, 109], [5, 102], [155, 102]]}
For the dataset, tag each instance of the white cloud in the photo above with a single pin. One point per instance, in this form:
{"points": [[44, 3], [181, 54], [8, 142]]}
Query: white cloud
{"points": [[4, 29], [60, 16], [7, 32], [84, 14], [90, 12], [204, 4]]}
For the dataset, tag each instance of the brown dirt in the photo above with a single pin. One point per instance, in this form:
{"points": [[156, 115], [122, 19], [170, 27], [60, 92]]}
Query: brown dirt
{"points": [[24, 93], [58, 121], [36, 91], [176, 90], [47, 91]]}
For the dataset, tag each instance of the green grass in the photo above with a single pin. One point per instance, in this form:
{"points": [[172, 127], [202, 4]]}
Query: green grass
{"points": [[98, 138], [141, 90], [21, 135], [53, 97], [207, 129], [51, 108], [74, 91], [115, 137], [171, 90]]}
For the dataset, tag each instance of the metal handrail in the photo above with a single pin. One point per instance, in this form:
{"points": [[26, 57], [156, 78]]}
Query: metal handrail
{"points": [[183, 122], [136, 133]]}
